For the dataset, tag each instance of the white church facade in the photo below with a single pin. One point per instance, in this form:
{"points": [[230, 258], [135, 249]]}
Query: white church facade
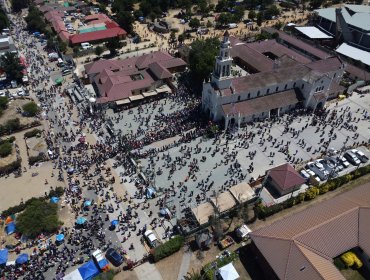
{"points": [[237, 100]]}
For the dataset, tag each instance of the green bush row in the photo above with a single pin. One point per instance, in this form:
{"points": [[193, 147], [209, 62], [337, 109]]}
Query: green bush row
{"points": [[311, 193], [5, 149], [9, 140], [10, 167], [58, 192], [32, 133], [14, 125], [168, 248], [33, 160]]}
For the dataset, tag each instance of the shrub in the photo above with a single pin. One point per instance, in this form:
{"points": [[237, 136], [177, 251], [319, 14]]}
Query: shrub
{"points": [[311, 193], [350, 259], [59, 191], [39, 217], [31, 109], [33, 160], [10, 167], [32, 133], [12, 125], [4, 102], [168, 248], [5, 149]]}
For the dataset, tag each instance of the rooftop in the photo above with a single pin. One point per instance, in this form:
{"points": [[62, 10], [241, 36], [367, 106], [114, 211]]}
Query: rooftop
{"points": [[355, 15], [354, 53], [97, 35], [303, 245], [285, 176], [313, 32]]}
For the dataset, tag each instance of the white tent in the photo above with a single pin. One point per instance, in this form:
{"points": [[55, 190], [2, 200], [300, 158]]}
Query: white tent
{"points": [[228, 272], [74, 275]]}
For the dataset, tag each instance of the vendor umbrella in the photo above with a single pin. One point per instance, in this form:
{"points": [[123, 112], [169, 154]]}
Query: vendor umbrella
{"points": [[81, 220], [59, 80], [87, 203], [59, 237], [114, 223], [23, 258], [54, 199], [70, 170]]}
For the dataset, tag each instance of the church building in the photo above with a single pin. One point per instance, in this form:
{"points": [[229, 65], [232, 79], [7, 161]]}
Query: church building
{"points": [[286, 80]]}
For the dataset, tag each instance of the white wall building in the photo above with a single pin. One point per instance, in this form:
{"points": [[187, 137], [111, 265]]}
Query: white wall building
{"points": [[237, 100]]}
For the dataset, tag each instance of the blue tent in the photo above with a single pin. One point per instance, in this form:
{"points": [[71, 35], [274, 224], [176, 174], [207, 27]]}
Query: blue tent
{"points": [[87, 203], [3, 256], [54, 199], [59, 237], [88, 270], [22, 258], [81, 220], [114, 223], [150, 192], [10, 228]]}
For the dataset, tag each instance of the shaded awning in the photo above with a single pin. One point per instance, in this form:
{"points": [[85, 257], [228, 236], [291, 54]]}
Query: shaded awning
{"points": [[150, 93], [123, 101], [136, 97], [163, 89]]}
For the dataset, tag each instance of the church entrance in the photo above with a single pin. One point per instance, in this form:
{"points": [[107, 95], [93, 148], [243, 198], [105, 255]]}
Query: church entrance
{"points": [[274, 112]]}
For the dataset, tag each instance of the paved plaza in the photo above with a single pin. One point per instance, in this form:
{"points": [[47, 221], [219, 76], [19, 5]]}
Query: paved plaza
{"points": [[207, 166]]}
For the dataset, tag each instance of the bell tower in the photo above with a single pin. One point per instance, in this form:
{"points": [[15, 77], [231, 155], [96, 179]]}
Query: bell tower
{"points": [[222, 72]]}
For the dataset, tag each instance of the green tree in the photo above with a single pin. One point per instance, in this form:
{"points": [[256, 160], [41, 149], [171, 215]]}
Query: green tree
{"points": [[259, 18], [194, 23], [76, 50], [172, 38], [125, 20], [315, 4], [181, 38], [18, 5], [31, 108], [35, 20], [113, 45], [252, 15], [4, 21], [12, 67], [4, 102], [61, 45], [224, 19], [238, 14], [122, 5], [12, 125], [39, 217], [272, 11], [202, 59], [5, 149], [99, 50]]}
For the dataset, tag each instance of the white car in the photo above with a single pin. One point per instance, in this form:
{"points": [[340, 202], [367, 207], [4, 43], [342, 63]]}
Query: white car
{"points": [[20, 92], [343, 161], [305, 174], [151, 238]]}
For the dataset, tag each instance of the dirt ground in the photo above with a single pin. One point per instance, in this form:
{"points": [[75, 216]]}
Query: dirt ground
{"points": [[126, 275], [170, 267], [11, 112], [36, 146]]}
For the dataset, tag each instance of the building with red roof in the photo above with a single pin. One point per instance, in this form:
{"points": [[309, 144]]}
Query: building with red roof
{"points": [[98, 36], [132, 78]]}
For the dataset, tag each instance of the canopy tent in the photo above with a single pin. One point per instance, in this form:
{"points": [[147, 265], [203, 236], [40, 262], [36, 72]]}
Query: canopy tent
{"points": [[59, 80], [9, 219], [81, 220], [3, 256], [74, 275], [87, 203], [70, 170], [224, 201], [22, 258], [114, 223], [228, 272], [59, 237], [88, 270], [242, 192], [54, 199], [203, 212], [10, 228]]}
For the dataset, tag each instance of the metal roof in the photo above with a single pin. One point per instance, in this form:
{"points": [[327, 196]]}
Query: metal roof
{"points": [[313, 32], [354, 53], [360, 17]]}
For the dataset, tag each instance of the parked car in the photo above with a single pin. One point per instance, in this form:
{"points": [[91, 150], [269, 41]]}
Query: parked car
{"points": [[343, 161], [20, 92], [351, 157], [305, 174], [360, 155], [114, 257], [151, 238], [66, 72], [318, 170]]}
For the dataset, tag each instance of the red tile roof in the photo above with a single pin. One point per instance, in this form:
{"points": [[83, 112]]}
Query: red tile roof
{"points": [[303, 245], [97, 35], [285, 176], [96, 16], [159, 71]]}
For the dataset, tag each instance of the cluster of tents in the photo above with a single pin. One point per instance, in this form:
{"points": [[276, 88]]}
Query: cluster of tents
{"points": [[10, 225], [21, 259]]}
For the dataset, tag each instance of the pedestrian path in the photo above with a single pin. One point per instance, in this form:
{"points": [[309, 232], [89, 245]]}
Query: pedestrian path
{"points": [[148, 271], [185, 263]]}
